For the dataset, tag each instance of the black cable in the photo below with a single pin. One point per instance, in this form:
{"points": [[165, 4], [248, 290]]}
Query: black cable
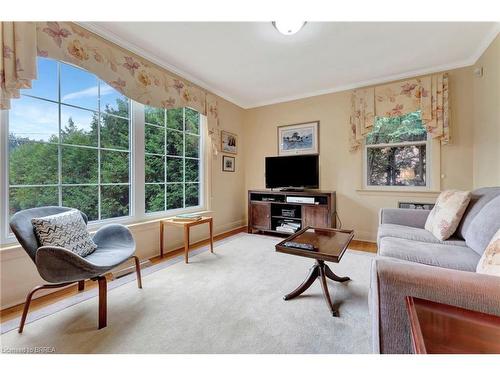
{"points": [[338, 218]]}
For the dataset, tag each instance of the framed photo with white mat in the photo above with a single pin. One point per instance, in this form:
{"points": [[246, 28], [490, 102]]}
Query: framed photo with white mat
{"points": [[298, 139]]}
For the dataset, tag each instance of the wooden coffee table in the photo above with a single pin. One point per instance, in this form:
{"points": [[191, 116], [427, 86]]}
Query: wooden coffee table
{"points": [[330, 245]]}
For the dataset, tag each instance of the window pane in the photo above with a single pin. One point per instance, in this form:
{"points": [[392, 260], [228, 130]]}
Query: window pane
{"points": [[83, 198], [175, 143], [112, 101], [192, 171], [396, 166], [155, 197], [114, 167], [114, 201], [154, 168], [34, 119], [30, 197], [32, 163], [175, 195], [175, 119], [78, 126], [114, 132], [192, 121], [405, 128], [154, 139], [78, 87], [79, 165], [192, 146], [46, 85], [192, 195], [154, 115], [175, 170]]}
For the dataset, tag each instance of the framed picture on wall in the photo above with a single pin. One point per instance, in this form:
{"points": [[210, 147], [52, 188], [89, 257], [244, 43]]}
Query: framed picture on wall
{"points": [[229, 142], [228, 163], [298, 139]]}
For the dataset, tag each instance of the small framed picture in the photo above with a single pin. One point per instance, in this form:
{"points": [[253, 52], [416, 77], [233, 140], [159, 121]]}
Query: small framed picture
{"points": [[298, 139], [229, 142], [228, 163]]}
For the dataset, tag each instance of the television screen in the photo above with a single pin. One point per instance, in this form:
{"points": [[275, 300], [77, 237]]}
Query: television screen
{"points": [[292, 171]]}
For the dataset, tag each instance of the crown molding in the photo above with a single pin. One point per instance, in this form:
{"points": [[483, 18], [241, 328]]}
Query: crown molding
{"points": [[487, 40], [108, 35], [104, 33], [371, 82]]}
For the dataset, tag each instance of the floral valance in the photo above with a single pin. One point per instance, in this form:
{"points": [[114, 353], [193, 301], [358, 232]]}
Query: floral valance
{"points": [[17, 59], [427, 94], [127, 72]]}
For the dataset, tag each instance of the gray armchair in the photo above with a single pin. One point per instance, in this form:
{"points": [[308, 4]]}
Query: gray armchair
{"points": [[61, 267]]}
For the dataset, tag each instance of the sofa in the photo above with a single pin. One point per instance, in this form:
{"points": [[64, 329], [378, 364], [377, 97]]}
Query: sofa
{"points": [[412, 262]]}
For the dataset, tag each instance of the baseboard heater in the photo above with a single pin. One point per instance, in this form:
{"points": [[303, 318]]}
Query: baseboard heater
{"points": [[126, 271]]}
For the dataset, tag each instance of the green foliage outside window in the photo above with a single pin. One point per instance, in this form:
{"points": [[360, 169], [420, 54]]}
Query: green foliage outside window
{"points": [[48, 166], [172, 152], [400, 160]]}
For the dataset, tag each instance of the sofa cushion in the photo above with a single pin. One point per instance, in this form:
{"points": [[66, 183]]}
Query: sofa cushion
{"points": [[478, 200], [490, 260], [444, 218], [483, 226], [433, 254], [414, 234]]}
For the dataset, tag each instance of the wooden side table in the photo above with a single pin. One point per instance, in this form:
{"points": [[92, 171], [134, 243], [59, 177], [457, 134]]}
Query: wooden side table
{"points": [[186, 225], [437, 328]]}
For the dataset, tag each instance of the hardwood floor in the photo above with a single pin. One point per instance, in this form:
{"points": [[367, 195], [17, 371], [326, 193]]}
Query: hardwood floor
{"points": [[38, 303]]}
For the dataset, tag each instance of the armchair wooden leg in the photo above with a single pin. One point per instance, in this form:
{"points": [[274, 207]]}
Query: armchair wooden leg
{"points": [[138, 271], [103, 293], [30, 296], [81, 285]]}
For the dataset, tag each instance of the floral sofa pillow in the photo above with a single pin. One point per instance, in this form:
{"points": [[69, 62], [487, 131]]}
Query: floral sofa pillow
{"points": [[444, 218], [490, 260]]}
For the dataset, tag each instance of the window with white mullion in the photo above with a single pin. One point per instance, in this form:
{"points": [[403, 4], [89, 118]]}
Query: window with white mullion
{"points": [[396, 153], [180, 158], [79, 128]]}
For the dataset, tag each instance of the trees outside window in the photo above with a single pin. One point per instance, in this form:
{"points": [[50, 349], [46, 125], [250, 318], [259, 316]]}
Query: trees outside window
{"points": [[396, 152], [172, 158], [69, 144]]}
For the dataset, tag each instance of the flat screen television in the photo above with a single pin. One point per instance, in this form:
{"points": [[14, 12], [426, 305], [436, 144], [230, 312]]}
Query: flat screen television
{"points": [[297, 171]]}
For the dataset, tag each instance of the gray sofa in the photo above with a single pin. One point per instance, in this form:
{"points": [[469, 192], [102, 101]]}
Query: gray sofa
{"points": [[412, 262]]}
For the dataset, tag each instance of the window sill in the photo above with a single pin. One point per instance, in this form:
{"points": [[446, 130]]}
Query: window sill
{"points": [[11, 243]]}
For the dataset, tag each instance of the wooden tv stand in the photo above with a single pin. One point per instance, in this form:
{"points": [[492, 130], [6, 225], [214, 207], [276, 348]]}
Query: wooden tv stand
{"points": [[265, 209]]}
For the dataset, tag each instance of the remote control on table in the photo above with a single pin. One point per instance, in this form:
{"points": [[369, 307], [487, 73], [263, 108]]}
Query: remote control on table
{"points": [[298, 245]]}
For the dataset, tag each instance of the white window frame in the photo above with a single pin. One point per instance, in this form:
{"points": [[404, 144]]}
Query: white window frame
{"points": [[201, 145], [137, 212], [432, 166]]}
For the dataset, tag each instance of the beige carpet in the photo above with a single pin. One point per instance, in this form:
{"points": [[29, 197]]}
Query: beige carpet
{"points": [[228, 302]]}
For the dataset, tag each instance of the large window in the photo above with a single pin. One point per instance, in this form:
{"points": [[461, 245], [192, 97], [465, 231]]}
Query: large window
{"points": [[72, 140], [172, 158], [396, 152], [69, 144]]}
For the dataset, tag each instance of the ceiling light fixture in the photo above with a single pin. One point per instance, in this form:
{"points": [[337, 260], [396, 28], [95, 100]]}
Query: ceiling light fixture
{"points": [[288, 27]]}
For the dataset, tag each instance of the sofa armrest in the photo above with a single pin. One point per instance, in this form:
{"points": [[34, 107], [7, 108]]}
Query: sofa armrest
{"points": [[393, 280], [404, 216]]}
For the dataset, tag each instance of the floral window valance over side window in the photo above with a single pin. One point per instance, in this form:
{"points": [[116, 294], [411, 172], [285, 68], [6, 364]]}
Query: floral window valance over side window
{"points": [[427, 94], [128, 73]]}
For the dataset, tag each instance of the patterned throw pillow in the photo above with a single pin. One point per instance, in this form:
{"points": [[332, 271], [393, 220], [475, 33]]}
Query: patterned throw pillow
{"points": [[444, 218], [66, 230], [490, 260]]}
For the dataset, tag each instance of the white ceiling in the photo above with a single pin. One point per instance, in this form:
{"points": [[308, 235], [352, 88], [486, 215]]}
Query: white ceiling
{"points": [[251, 64]]}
